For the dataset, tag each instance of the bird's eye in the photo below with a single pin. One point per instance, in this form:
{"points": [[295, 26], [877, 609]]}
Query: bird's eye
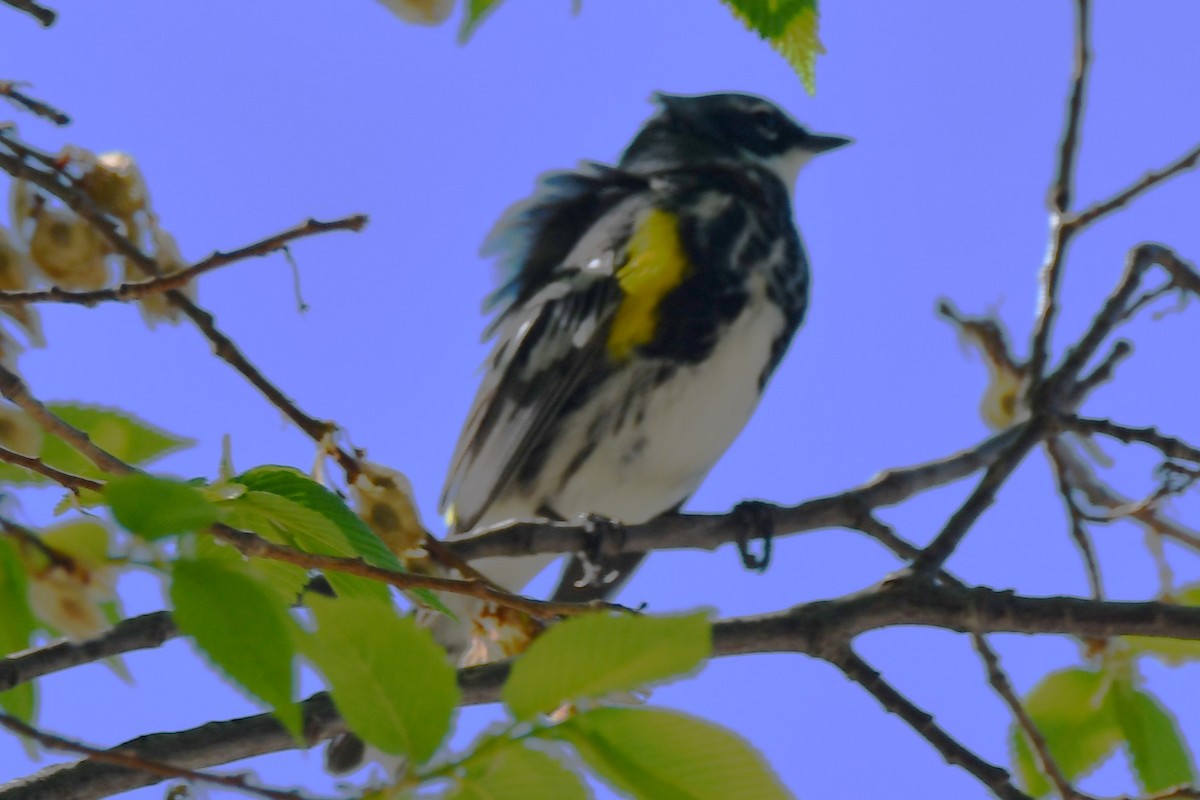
{"points": [[769, 125]]}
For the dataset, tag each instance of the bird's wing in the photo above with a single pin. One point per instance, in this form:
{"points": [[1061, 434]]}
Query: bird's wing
{"points": [[548, 347]]}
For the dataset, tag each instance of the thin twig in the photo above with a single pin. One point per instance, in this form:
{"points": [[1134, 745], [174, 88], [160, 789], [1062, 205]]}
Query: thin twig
{"points": [[1151, 179], [1169, 446], [1076, 518], [127, 292], [1060, 202], [130, 760], [42, 14], [76, 483], [996, 778], [935, 554], [252, 544], [9, 89], [15, 390], [1041, 750]]}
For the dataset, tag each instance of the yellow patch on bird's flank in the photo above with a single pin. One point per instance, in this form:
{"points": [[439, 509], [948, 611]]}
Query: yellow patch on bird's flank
{"points": [[655, 264]]}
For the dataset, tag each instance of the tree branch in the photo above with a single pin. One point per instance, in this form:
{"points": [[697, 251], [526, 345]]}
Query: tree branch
{"points": [[121, 758], [995, 778], [9, 89], [819, 629], [1041, 749], [1060, 200], [75, 483], [42, 14], [127, 292], [14, 389]]}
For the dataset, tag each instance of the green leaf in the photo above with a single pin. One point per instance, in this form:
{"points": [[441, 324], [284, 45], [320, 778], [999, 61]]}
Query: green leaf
{"points": [[243, 627], [654, 754], [473, 14], [512, 771], [120, 433], [287, 522], [301, 489], [17, 625], [1073, 711], [155, 507], [1157, 751], [388, 677], [597, 654], [791, 28]]}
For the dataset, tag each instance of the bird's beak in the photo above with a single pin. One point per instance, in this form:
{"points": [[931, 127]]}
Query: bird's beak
{"points": [[821, 143]]}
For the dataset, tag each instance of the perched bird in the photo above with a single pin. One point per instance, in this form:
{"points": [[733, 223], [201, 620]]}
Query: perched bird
{"points": [[640, 311]]}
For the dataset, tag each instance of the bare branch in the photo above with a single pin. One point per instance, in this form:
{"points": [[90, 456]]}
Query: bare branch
{"points": [[42, 14], [1041, 750], [9, 89], [138, 633], [127, 292], [1169, 446], [818, 629], [1060, 201], [850, 509], [75, 483], [252, 544], [129, 760], [995, 778], [1076, 518], [935, 554], [1151, 179]]}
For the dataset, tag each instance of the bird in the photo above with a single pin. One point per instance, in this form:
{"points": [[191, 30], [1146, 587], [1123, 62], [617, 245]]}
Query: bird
{"points": [[640, 310]]}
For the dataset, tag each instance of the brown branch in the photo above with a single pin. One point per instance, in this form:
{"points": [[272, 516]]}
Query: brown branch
{"points": [[15, 390], [995, 778], [944, 544], [818, 629], [1169, 446], [1075, 517], [9, 89], [127, 292], [1151, 179], [1041, 750], [850, 509], [130, 760], [42, 14], [76, 483], [1060, 201], [138, 633], [31, 539], [252, 544]]}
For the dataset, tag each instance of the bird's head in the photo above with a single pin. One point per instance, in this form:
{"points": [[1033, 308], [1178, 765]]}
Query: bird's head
{"points": [[695, 129]]}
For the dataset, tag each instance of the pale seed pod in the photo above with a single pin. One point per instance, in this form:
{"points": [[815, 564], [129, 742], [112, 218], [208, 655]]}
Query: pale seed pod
{"points": [[114, 182], [68, 250], [19, 432]]}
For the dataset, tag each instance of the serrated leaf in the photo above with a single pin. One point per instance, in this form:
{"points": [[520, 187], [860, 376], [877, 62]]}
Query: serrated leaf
{"points": [[791, 28], [473, 14], [124, 435], [1157, 751], [654, 754], [1072, 710], [17, 625], [154, 507], [244, 629], [512, 771], [388, 677], [285, 521], [300, 488], [597, 654]]}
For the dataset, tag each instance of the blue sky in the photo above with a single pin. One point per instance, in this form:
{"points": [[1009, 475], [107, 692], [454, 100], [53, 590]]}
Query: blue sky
{"points": [[247, 118]]}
